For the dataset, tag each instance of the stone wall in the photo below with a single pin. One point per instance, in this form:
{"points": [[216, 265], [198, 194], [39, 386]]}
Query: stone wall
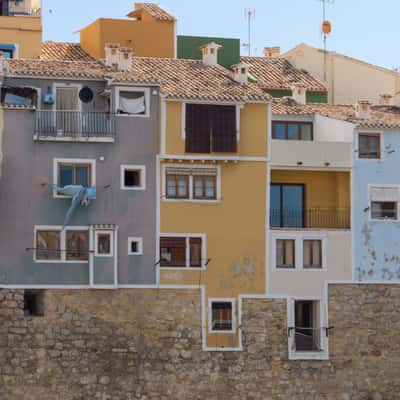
{"points": [[146, 344]]}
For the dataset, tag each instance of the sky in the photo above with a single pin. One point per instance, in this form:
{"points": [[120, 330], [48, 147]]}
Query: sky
{"points": [[364, 29]]}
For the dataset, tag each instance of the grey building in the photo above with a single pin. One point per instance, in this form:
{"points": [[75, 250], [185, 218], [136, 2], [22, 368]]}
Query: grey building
{"points": [[78, 192]]}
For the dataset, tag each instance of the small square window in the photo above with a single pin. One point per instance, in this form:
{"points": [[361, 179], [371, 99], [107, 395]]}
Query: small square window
{"points": [[135, 246], [133, 177], [285, 254], [48, 245], [33, 303], [222, 313], [369, 145]]}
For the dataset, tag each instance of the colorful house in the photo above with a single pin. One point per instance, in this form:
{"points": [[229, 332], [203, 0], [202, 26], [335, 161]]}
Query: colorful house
{"points": [[20, 28]]}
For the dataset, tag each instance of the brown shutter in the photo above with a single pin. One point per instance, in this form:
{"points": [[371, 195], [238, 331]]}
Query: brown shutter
{"points": [[197, 128], [195, 252], [223, 125], [177, 247]]}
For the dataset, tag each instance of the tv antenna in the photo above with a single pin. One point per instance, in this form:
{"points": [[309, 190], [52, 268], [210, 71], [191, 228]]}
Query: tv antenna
{"points": [[250, 16], [326, 30]]}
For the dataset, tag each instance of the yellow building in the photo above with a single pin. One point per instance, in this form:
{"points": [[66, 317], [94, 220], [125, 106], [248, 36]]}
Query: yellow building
{"points": [[214, 134], [150, 31], [20, 29], [347, 78]]}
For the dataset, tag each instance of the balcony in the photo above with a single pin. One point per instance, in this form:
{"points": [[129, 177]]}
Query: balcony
{"points": [[315, 154], [30, 8], [75, 126], [310, 218]]}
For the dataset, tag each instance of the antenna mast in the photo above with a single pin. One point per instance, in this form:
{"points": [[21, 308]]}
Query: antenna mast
{"points": [[326, 30], [250, 15]]}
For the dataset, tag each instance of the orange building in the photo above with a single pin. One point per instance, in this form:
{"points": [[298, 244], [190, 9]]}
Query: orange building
{"points": [[150, 31]]}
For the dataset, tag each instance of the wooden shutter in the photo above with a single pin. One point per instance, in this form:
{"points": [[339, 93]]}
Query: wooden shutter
{"points": [[223, 127], [195, 252], [197, 128], [177, 248]]}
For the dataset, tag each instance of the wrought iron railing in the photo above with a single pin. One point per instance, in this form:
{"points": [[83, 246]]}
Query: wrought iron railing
{"points": [[16, 9], [335, 218], [74, 124]]}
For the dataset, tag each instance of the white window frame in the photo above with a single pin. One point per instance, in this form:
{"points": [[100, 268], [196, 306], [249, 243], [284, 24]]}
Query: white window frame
{"points": [[96, 242], [57, 161], [324, 340], [299, 238], [65, 85], [141, 169], [381, 142], [187, 236], [63, 247], [387, 220], [221, 300], [139, 242], [191, 199], [146, 91]]}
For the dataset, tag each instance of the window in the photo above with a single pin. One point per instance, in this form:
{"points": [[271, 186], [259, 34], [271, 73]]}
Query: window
{"points": [[48, 245], [312, 254], [181, 251], [222, 315], [307, 330], [210, 128], [133, 177], [384, 210], [287, 205], [132, 102], [287, 130], [285, 253], [369, 145], [135, 246], [104, 244], [56, 245], [33, 303], [384, 202], [198, 184], [19, 95], [177, 186], [8, 50], [74, 174]]}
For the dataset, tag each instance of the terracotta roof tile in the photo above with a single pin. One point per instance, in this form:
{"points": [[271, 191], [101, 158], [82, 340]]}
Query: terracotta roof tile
{"points": [[153, 9], [279, 74], [382, 117], [64, 52], [191, 79]]}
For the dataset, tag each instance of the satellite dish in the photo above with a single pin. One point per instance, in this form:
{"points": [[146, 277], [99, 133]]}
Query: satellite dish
{"points": [[86, 94]]}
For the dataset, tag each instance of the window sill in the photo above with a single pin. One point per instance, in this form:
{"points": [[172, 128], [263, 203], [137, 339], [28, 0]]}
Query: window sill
{"points": [[134, 189], [182, 268], [197, 201], [133, 115], [309, 355], [60, 262], [223, 332]]}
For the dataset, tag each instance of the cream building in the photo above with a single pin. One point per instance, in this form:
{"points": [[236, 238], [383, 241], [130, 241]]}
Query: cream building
{"points": [[348, 79]]}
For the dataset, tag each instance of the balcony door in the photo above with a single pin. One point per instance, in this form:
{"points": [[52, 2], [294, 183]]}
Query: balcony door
{"points": [[68, 120], [287, 205]]}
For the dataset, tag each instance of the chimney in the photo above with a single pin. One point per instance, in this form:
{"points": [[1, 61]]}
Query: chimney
{"points": [[272, 51], [385, 99], [210, 53], [125, 58], [241, 72], [112, 55], [299, 93], [363, 109]]}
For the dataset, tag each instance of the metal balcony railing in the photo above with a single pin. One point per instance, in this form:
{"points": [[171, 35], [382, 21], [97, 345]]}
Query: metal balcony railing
{"points": [[16, 9], [74, 124], [330, 218]]}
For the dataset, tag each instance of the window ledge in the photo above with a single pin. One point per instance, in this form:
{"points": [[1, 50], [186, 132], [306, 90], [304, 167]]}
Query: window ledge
{"points": [[75, 139], [182, 268], [197, 201], [309, 355]]}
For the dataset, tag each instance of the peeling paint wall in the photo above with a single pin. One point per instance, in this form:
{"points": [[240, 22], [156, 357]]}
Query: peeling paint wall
{"points": [[376, 243]]}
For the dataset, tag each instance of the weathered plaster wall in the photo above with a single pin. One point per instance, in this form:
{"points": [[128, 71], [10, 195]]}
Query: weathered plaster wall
{"points": [[145, 344], [376, 243]]}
